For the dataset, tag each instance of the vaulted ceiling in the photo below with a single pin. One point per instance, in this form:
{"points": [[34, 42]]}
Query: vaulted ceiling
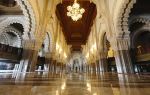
{"points": [[76, 32]]}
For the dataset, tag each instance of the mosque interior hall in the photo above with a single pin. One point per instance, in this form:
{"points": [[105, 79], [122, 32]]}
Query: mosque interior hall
{"points": [[74, 47]]}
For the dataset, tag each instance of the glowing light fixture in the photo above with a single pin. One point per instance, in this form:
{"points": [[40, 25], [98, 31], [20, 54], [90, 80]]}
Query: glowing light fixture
{"points": [[74, 11], [65, 55], [87, 55]]}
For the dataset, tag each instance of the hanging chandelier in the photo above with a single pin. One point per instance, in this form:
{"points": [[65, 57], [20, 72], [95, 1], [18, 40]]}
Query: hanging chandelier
{"points": [[74, 11]]}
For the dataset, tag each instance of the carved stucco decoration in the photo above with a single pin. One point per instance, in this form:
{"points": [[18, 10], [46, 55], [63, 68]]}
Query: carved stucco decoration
{"points": [[138, 32], [51, 33], [122, 23], [48, 43], [4, 39], [145, 19], [51, 42], [14, 31], [125, 44], [29, 17], [13, 19]]}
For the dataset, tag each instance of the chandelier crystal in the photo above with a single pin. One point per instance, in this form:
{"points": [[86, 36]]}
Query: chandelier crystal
{"points": [[74, 11]]}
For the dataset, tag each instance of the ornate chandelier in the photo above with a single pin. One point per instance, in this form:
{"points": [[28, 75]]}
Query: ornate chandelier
{"points": [[74, 11]]}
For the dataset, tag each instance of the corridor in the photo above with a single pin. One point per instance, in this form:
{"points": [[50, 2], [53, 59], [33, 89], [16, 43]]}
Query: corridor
{"points": [[43, 83], [74, 47]]}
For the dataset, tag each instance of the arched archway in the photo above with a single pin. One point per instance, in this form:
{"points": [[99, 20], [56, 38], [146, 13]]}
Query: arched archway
{"points": [[10, 20], [47, 42], [13, 36], [138, 25], [76, 63], [27, 19], [107, 60], [44, 53], [10, 47], [140, 47]]}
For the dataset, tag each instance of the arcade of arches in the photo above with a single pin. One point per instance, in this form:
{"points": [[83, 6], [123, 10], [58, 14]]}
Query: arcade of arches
{"points": [[106, 52]]}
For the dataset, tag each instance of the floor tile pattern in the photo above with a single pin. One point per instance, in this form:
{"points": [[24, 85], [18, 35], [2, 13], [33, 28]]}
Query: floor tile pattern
{"points": [[43, 83]]}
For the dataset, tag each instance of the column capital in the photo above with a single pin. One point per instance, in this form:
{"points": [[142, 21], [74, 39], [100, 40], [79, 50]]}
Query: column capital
{"points": [[120, 44], [29, 44], [102, 54]]}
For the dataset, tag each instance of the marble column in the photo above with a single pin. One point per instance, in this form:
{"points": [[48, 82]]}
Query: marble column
{"points": [[55, 65], [63, 67], [122, 56], [133, 59], [58, 66], [87, 68], [93, 67], [49, 61], [103, 65], [33, 62], [50, 65], [90, 68], [27, 55], [97, 65]]}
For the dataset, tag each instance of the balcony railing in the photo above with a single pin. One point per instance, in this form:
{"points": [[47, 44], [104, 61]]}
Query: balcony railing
{"points": [[10, 52]]}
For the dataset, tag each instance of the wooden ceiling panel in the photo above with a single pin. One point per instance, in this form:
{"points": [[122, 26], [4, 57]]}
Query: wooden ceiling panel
{"points": [[76, 32], [10, 7], [8, 3]]}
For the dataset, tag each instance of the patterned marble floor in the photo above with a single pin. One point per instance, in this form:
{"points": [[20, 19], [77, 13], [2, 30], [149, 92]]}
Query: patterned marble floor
{"points": [[39, 83]]}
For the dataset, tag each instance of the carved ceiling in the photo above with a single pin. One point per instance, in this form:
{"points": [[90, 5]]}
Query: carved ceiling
{"points": [[9, 7], [76, 33]]}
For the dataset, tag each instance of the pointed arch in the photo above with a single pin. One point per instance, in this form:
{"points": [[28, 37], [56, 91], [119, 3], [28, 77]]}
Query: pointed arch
{"points": [[50, 41]]}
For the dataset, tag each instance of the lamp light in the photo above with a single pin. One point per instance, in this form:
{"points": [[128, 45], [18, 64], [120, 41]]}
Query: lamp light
{"points": [[74, 11]]}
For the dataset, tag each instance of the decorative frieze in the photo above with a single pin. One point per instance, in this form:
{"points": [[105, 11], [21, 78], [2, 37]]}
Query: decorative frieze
{"points": [[120, 44], [140, 19]]}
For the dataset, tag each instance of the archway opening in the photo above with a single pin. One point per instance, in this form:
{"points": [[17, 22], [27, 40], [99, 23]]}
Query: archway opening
{"points": [[138, 20], [142, 52], [76, 63]]}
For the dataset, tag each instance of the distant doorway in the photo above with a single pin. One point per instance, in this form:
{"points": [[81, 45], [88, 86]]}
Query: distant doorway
{"points": [[76, 66]]}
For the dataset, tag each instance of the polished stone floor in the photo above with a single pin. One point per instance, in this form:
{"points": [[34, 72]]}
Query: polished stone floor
{"points": [[43, 83]]}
